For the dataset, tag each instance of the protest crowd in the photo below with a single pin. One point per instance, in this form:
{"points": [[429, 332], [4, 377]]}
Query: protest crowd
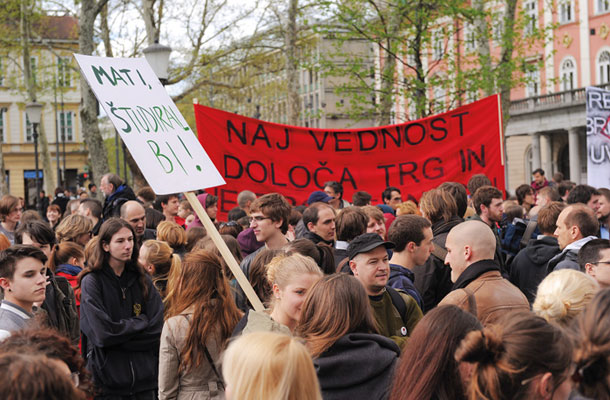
{"points": [[464, 293]]}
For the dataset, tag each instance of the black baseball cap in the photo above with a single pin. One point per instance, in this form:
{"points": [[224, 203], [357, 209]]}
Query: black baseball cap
{"points": [[365, 243]]}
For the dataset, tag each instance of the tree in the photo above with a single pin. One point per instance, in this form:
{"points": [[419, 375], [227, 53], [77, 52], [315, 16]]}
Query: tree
{"points": [[421, 52], [93, 139]]}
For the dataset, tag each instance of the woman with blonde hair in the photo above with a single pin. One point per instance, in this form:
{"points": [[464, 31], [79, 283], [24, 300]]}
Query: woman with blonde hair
{"points": [[268, 365], [195, 333], [74, 228], [338, 326], [521, 356], [290, 278], [158, 260], [564, 294], [174, 235]]}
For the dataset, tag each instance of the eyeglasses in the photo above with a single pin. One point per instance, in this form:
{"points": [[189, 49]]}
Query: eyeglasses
{"points": [[230, 223], [602, 262], [258, 218]]}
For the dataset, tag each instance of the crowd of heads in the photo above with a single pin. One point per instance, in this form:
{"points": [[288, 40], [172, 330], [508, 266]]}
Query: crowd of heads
{"points": [[463, 293]]}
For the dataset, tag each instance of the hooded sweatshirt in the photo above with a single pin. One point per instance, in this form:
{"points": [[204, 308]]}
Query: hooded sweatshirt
{"points": [[357, 366], [529, 265]]}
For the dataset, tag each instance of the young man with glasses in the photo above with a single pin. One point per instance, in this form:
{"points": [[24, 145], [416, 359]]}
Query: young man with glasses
{"points": [[269, 217], [594, 259]]}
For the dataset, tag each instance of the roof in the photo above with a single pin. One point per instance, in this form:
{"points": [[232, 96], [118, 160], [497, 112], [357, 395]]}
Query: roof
{"points": [[56, 27]]}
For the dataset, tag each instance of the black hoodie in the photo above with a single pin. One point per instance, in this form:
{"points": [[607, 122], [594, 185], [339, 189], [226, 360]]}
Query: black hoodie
{"points": [[357, 366], [528, 268], [122, 331]]}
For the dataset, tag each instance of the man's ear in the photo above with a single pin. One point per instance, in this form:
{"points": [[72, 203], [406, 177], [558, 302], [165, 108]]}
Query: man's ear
{"points": [[352, 266], [5, 283], [589, 269], [467, 252], [310, 226], [575, 231], [411, 246], [105, 247]]}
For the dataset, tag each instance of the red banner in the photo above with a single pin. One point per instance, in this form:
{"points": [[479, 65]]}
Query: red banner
{"points": [[415, 156]]}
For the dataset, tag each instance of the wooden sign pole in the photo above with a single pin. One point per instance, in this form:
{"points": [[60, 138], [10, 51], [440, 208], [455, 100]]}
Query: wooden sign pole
{"points": [[224, 251]]}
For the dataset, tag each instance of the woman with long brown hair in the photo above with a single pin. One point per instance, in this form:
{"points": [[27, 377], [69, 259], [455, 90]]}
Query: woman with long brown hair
{"points": [[427, 368], [351, 359], [196, 334], [121, 315]]}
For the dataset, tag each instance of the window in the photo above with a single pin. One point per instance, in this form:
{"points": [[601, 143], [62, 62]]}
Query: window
{"points": [[565, 11], [602, 6], [604, 67], [439, 99], [568, 74], [531, 16], [66, 125], [437, 45], [497, 29], [29, 133], [63, 71], [2, 124], [533, 83], [470, 40], [34, 68]]}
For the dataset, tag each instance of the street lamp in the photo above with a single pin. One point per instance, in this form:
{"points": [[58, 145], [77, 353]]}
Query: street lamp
{"points": [[33, 111], [157, 56]]}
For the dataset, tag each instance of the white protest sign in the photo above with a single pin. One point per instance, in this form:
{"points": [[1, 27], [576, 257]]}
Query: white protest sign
{"points": [[598, 137], [157, 135]]}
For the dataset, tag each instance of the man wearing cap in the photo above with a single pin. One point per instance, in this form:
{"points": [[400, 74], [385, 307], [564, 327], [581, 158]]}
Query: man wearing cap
{"points": [[396, 313]]}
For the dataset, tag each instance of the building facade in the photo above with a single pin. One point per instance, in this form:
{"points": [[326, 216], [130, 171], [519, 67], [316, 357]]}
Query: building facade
{"points": [[262, 85], [57, 83]]}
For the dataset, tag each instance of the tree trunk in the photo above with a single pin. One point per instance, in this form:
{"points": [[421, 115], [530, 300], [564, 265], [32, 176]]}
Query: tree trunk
{"points": [[105, 31], [292, 75], [148, 14], [88, 110], [49, 179], [30, 85], [482, 41]]}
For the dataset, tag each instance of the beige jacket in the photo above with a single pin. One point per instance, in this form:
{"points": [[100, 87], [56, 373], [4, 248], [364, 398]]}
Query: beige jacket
{"points": [[198, 384]]}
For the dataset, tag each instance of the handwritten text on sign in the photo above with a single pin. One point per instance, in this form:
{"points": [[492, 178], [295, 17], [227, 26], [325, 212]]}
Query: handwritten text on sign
{"points": [[158, 137], [415, 156]]}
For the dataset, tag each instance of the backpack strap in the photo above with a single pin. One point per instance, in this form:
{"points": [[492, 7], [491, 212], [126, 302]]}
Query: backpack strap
{"points": [[342, 264], [527, 234], [221, 383], [439, 251], [398, 302]]}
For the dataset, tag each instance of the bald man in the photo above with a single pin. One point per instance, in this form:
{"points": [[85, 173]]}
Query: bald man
{"points": [[478, 286], [133, 212]]}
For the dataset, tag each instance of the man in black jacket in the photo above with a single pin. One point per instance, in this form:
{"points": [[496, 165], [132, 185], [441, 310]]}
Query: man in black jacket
{"points": [[116, 193], [121, 317], [433, 279], [529, 265], [319, 218]]}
